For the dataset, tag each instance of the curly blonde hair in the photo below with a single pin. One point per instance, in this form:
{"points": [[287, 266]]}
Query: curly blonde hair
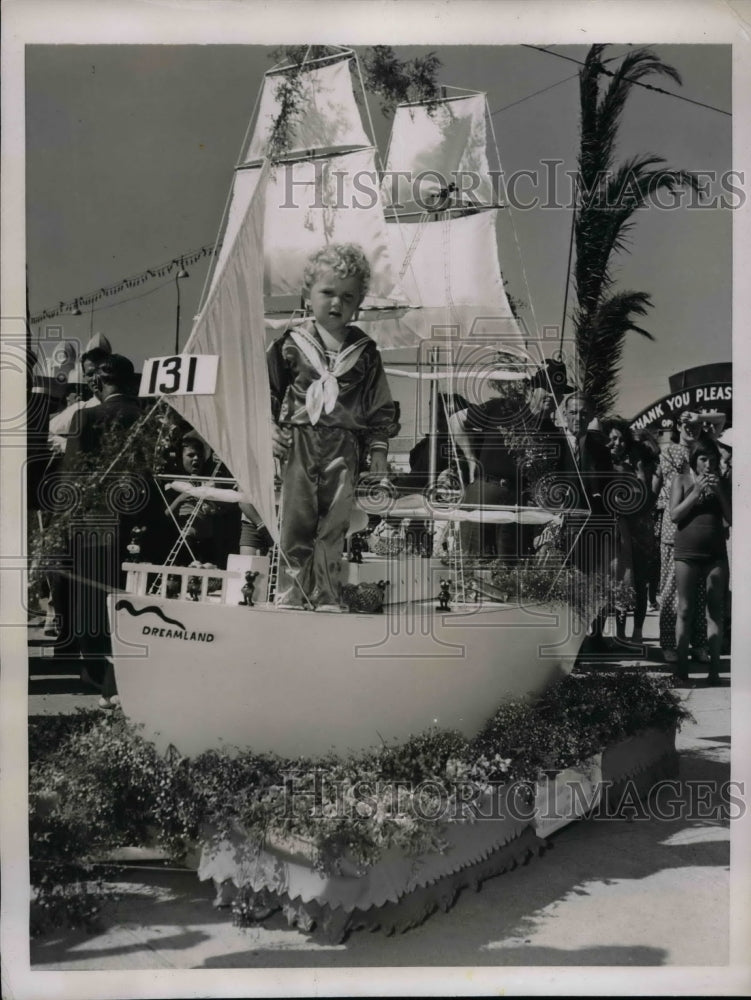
{"points": [[344, 259]]}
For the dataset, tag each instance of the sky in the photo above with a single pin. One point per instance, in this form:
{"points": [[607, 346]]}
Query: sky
{"points": [[130, 150]]}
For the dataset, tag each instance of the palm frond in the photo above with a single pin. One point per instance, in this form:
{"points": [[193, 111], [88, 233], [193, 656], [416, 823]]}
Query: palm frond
{"points": [[589, 92], [608, 196], [603, 223], [633, 68], [601, 342]]}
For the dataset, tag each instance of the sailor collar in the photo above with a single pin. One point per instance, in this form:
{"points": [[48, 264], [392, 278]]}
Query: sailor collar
{"points": [[323, 390], [353, 336]]}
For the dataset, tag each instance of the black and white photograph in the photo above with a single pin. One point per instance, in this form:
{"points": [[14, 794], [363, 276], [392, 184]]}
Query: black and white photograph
{"points": [[372, 548]]}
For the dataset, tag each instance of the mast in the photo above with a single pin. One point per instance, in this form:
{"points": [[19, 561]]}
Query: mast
{"points": [[433, 411]]}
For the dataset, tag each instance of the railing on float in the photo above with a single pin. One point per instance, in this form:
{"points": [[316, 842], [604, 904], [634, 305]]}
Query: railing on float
{"points": [[137, 580]]}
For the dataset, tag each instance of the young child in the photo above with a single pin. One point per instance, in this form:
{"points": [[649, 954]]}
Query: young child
{"points": [[329, 398], [214, 526]]}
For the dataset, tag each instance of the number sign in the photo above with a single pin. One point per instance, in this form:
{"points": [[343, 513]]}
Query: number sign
{"points": [[181, 375]]}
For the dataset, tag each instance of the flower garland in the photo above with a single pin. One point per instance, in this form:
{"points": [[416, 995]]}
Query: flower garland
{"points": [[96, 784]]}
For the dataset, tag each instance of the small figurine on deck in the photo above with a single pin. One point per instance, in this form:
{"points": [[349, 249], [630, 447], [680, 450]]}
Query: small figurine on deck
{"points": [[133, 548], [355, 548], [194, 584], [248, 589], [444, 596], [330, 399]]}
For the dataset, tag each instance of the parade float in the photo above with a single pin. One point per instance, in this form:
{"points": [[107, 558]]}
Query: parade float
{"points": [[447, 647]]}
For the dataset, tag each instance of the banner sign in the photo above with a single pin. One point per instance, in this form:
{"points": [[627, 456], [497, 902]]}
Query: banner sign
{"points": [[663, 414], [180, 375]]}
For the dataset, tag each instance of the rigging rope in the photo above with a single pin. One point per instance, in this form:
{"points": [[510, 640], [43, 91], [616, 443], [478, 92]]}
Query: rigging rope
{"points": [[530, 299]]}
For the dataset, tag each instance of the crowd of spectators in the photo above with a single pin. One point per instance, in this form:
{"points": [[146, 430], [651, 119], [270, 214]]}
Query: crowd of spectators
{"points": [[623, 481], [78, 428], [523, 447]]}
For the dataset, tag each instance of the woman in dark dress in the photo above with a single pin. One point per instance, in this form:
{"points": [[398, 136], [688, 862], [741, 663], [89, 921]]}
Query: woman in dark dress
{"points": [[700, 509]]}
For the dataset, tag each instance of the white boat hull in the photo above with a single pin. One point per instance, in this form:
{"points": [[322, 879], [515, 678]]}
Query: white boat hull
{"points": [[199, 675]]}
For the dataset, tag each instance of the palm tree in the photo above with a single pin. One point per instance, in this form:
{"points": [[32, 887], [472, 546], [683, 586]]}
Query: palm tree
{"points": [[608, 196]]}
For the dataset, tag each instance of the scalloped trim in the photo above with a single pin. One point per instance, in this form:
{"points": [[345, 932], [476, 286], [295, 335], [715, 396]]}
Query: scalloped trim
{"points": [[400, 892]]}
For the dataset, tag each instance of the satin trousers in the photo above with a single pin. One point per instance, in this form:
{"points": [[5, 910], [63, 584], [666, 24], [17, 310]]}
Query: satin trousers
{"points": [[318, 490]]}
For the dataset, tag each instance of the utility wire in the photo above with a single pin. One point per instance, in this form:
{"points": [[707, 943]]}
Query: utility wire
{"points": [[549, 87], [523, 99], [638, 83]]}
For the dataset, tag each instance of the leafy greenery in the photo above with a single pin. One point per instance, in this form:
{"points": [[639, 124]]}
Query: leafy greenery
{"points": [[531, 583], [391, 79], [553, 582], [68, 890], [112, 481], [96, 784], [609, 194], [397, 81]]}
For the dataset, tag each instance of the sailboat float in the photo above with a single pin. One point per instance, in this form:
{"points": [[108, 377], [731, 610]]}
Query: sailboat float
{"points": [[249, 674]]}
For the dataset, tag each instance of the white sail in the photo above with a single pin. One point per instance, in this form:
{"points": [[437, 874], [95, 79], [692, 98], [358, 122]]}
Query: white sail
{"points": [[242, 191], [236, 419], [450, 262], [314, 202], [310, 203], [450, 268], [434, 145], [325, 114]]}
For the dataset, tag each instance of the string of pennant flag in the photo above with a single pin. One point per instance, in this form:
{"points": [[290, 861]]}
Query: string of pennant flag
{"points": [[133, 281]]}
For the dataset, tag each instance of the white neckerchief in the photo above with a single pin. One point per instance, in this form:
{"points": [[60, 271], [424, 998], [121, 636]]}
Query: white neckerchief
{"points": [[323, 391]]}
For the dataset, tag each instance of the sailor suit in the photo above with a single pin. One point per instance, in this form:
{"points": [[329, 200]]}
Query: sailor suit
{"points": [[334, 405]]}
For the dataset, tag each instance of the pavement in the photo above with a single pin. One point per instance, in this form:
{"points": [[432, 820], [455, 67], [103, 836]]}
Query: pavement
{"points": [[609, 892]]}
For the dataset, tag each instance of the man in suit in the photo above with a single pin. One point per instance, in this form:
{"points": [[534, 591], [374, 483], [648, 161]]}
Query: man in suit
{"points": [[584, 457], [585, 466], [98, 546], [111, 381]]}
